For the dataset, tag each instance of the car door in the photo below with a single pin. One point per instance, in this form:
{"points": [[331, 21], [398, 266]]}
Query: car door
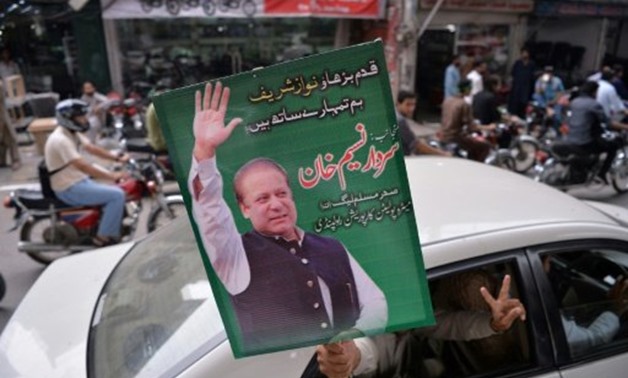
{"points": [[578, 285], [524, 350]]}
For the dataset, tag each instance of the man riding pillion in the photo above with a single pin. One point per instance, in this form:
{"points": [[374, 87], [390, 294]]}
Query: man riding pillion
{"points": [[71, 174]]}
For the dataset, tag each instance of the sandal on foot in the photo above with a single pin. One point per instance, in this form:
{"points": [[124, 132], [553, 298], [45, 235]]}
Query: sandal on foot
{"points": [[103, 241]]}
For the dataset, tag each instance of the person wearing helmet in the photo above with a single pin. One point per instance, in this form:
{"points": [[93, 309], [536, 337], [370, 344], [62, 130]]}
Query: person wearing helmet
{"points": [[71, 174]]}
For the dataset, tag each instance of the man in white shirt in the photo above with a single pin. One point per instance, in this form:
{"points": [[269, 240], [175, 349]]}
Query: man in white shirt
{"points": [[287, 286], [476, 76], [96, 116], [607, 96]]}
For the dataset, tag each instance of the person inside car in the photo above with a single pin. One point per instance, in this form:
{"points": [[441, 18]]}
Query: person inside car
{"points": [[388, 353], [605, 325]]}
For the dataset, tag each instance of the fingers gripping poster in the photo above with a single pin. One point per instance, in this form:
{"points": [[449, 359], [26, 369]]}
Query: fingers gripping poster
{"points": [[294, 180]]}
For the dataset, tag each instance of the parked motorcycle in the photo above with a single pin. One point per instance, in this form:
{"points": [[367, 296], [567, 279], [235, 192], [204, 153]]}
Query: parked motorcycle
{"points": [[248, 6], [125, 119], [568, 167], [51, 229]]}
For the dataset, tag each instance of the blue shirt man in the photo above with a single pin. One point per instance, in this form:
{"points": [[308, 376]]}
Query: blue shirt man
{"points": [[452, 78]]}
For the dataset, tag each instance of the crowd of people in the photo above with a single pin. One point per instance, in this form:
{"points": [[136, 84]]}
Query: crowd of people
{"points": [[471, 103]]}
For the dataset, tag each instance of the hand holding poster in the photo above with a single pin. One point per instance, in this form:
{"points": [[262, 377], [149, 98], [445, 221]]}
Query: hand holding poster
{"points": [[317, 240]]}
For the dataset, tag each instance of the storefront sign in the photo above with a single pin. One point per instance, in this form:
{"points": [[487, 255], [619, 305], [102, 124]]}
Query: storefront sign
{"points": [[117, 9], [320, 241], [511, 6], [326, 8], [570, 8]]}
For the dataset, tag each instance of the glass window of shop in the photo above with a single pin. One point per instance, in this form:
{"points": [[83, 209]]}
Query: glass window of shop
{"points": [[486, 43], [175, 53]]}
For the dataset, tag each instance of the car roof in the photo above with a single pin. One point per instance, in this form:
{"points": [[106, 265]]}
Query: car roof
{"points": [[456, 198]]}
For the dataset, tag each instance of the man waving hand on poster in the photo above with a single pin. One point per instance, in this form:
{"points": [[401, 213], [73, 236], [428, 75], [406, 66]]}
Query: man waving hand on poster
{"points": [[287, 287]]}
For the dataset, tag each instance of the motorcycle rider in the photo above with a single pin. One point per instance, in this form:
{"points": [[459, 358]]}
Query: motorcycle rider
{"points": [[586, 127], [70, 173], [548, 90], [485, 108], [457, 124]]}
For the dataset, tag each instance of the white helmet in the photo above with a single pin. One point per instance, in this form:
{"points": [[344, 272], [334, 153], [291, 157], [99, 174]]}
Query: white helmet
{"points": [[68, 109]]}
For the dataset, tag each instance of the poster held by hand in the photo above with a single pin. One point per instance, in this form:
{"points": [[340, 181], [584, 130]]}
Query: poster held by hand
{"points": [[295, 184]]}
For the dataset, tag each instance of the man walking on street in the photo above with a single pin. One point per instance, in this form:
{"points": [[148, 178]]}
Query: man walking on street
{"points": [[522, 84], [406, 103]]}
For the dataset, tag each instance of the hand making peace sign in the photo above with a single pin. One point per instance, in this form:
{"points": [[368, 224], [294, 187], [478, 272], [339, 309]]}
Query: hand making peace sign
{"points": [[504, 310]]}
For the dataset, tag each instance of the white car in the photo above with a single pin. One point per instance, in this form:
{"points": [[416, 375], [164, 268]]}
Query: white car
{"points": [[146, 309]]}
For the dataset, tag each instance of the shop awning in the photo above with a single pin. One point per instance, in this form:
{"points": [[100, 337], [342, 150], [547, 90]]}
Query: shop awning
{"points": [[119, 9]]}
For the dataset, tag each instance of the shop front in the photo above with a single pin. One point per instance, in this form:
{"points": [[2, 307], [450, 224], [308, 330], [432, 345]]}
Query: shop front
{"points": [[180, 42], [490, 31], [577, 38]]}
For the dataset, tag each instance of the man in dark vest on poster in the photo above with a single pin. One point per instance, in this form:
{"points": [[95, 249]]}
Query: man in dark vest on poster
{"points": [[287, 286]]}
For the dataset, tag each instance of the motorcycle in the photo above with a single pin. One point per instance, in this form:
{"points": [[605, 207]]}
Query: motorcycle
{"points": [[141, 151], [522, 147], [498, 157], [51, 229], [124, 120], [568, 167]]}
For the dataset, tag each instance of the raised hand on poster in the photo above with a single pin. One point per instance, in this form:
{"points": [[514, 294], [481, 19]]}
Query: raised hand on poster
{"points": [[209, 121]]}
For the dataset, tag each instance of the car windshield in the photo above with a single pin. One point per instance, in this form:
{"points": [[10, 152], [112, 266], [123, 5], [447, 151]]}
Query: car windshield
{"points": [[156, 314]]}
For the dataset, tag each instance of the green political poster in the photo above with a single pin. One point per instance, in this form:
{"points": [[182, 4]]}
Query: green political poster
{"points": [[294, 180]]}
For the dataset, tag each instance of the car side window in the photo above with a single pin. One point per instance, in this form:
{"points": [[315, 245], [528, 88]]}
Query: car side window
{"points": [[591, 291], [458, 294]]}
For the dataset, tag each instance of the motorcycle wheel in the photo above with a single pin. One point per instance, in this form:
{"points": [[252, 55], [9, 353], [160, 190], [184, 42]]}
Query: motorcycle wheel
{"points": [[33, 231], [146, 6], [619, 173], [159, 218], [524, 153], [209, 7], [3, 287], [173, 7], [504, 160], [552, 175], [248, 8]]}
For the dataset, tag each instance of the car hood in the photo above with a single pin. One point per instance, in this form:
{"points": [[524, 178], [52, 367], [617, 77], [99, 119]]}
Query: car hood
{"points": [[47, 335]]}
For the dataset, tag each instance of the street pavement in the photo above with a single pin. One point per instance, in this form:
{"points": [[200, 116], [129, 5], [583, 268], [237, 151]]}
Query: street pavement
{"points": [[18, 270]]}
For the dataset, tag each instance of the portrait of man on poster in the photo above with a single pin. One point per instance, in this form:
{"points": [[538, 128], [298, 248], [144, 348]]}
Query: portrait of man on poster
{"points": [[287, 286]]}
